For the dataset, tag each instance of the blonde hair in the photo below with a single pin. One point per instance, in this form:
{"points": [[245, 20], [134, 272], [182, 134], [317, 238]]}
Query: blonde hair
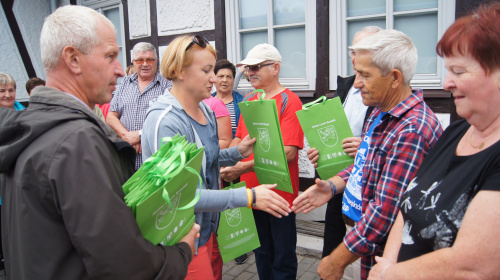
{"points": [[176, 57]]}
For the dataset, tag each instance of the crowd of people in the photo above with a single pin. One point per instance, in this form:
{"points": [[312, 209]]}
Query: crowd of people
{"points": [[417, 203]]}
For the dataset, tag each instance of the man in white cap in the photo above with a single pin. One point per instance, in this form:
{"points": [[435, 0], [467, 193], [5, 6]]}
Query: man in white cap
{"points": [[276, 258]]}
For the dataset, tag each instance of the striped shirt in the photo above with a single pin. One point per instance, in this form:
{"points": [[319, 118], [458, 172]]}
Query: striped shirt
{"points": [[398, 145], [230, 108], [132, 105]]}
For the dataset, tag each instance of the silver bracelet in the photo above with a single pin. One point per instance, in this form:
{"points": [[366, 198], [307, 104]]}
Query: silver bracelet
{"points": [[334, 189]]}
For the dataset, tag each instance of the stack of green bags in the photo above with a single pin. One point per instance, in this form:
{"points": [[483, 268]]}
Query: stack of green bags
{"points": [[162, 193]]}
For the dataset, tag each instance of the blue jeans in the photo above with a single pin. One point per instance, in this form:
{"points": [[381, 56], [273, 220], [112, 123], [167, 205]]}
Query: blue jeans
{"points": [[276, 259]]}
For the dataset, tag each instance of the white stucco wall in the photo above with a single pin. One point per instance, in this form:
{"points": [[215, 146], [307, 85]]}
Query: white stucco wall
{"points": [[10, 60], [179, 17], [139, 18]]}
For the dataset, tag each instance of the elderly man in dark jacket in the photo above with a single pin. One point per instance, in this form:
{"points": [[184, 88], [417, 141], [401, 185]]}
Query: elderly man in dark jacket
{"points": [[62, 168]]}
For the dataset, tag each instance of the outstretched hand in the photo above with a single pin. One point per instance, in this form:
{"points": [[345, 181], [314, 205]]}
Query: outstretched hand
{"points": [[271, 202], [315, 196], [245, 147], [191, 236]]}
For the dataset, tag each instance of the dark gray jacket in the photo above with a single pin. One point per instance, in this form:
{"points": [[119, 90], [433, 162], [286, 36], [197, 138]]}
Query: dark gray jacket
{"points": [[63, 214]]}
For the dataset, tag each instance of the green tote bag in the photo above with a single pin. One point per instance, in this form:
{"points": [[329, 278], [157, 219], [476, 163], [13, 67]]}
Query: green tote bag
{"points": [[262, 122], [325, 125]]}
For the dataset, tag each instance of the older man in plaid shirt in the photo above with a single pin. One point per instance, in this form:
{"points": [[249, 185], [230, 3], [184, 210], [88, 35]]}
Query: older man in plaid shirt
{"points": [[133, 96], [398, 135]]}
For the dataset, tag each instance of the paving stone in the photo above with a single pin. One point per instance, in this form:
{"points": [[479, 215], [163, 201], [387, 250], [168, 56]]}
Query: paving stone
{"points": [[308, 276], [244, 276]]}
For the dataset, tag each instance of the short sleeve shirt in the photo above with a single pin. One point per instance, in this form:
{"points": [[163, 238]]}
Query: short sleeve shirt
{"points": [[434, 204]]}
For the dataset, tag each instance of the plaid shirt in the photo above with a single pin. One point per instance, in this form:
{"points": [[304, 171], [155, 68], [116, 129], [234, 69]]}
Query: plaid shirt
{"points": [[132, 105], [398, 146]]}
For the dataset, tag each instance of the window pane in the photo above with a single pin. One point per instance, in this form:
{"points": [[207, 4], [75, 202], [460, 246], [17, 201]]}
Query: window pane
{"points": [[408, 5], [249, 40], [365, 7], [422, 29], [289, 11], [291, 43], [114, 16], [253, 13], [352, 28]]}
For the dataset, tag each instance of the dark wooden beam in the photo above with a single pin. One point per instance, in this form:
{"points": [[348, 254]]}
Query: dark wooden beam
{"points": [[220, 29], [18, 37]]}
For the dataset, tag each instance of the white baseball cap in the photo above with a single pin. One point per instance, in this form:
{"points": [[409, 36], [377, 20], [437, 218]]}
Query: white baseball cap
{"points": [[261, 53]]}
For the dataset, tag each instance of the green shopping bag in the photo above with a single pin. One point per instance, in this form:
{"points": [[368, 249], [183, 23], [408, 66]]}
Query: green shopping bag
{"points": [[262, 122], [237, 233], [325, 125], [162, 193]]}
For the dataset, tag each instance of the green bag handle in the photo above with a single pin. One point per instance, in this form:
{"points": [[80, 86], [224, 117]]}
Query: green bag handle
{"points": [[262, 96], [166, 197], [308, 105]]}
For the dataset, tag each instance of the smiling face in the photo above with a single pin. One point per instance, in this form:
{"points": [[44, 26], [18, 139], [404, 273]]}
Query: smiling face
{"points": [[199, 77], [477, 95], [375, 88], [7, 96], [224, 81], [101, 68], [263, 76], [145, 70]]}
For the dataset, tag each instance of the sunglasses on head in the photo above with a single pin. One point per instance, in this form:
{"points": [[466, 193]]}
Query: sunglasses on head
{"points": [[256, 68], [199, 40]]}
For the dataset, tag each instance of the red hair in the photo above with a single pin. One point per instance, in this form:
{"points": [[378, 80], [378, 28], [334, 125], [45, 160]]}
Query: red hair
{"points": [[477, 35]]}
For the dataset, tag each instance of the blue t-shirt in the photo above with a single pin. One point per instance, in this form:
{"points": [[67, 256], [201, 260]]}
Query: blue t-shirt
{"points": [[210, 140]]}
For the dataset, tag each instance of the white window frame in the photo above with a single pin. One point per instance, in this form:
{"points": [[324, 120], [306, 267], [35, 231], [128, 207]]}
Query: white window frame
{"points": [[234, 47], [339, 62], [103, 5]]}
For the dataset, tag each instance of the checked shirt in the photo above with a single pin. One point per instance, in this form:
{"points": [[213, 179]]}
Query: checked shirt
{"points": [[132, 105], [398, 145]]}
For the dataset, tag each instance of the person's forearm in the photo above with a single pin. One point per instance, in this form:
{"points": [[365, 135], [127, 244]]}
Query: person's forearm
{"points": [[391, 250], [115, 124]]}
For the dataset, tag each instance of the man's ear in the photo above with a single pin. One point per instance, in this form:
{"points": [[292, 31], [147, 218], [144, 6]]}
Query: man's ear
{"points": [[276, 68], [397, 78], [72, 58]]}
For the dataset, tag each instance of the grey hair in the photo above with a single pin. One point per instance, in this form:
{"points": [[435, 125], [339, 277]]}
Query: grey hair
{"points": [[69, 26], [390, 49], [143, 47], [369, 29], [6, 79]]}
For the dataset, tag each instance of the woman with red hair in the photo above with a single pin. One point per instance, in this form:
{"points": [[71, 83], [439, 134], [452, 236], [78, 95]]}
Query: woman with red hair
{"points": [[448, 225]]}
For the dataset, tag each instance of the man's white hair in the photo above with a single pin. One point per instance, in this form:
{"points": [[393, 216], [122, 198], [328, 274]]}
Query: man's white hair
{"points": [[143, 47], [70, 26], [390, 49]]}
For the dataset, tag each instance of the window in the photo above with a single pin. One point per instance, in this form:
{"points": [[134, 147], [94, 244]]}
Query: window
{"points": [[289, 25], [113, 10], [424, 21]]}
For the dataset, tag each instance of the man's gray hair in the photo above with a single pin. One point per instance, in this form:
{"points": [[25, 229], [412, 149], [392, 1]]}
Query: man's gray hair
{"points": [[390, 49], [143, 47], [369, 29], [6, 79], [70, 26]]}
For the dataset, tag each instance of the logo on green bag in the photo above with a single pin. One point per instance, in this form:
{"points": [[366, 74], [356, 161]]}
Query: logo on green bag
{"points": [[233, 217], [264, 141], [328, 135], [161, 214]]}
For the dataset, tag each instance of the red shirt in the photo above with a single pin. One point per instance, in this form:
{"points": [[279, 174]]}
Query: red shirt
{"points": [[292, 134]]}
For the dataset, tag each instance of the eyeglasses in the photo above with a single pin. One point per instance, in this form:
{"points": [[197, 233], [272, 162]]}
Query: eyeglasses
{"points": [[199, 40], [148, 60], [256, 68], [351, 53]]}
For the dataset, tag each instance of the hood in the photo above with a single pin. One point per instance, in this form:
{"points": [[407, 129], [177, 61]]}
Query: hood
{"points": [[48, 108]]}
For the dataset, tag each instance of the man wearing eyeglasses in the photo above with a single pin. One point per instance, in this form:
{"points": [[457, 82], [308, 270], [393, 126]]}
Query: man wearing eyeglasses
{"points": [[276, 258], [132, 97]]}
